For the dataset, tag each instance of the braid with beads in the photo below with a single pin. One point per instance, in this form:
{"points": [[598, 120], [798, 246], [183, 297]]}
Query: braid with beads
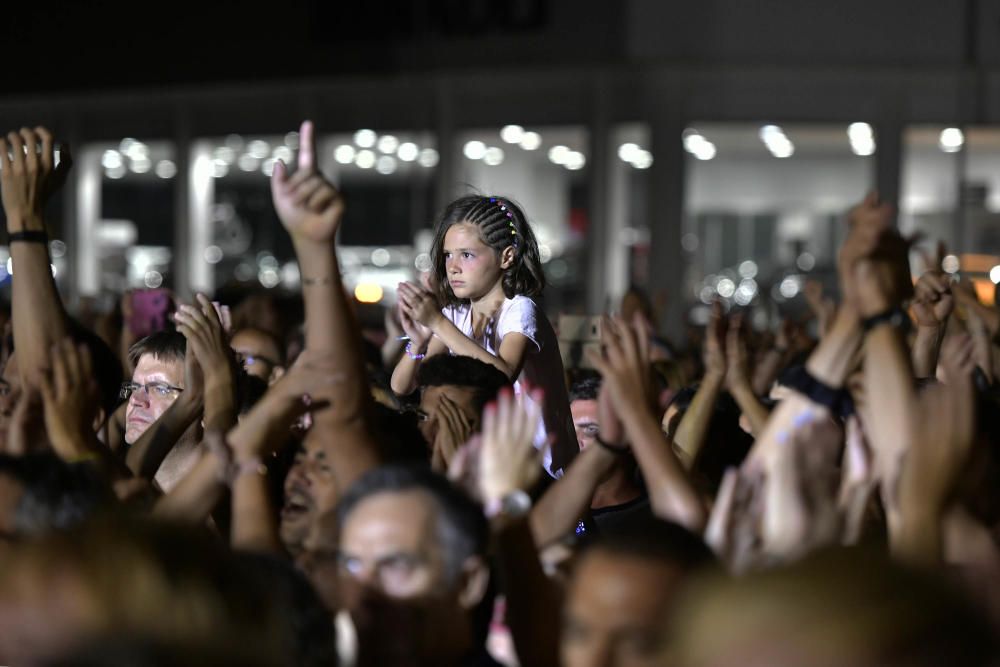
{"points": [[501, 224]]}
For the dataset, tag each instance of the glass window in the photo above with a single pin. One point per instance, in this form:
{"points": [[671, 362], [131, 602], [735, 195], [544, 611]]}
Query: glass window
{"points": [[763, 204]]}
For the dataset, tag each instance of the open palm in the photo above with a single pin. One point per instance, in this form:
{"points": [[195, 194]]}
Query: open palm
{"points": [[309, 206]]}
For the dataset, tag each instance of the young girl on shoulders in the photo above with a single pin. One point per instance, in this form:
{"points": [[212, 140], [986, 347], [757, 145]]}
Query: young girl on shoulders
{"points": [[486, 271]]}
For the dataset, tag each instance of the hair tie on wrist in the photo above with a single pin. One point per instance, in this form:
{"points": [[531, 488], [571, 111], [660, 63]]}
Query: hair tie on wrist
{"points": [[29, 237], [837, 401]]}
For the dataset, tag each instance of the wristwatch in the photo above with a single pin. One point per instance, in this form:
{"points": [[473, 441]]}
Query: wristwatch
{"points": [[513, 505]]}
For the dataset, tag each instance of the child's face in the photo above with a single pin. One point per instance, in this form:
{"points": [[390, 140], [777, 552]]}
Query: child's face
{"points": [[472, 267]]}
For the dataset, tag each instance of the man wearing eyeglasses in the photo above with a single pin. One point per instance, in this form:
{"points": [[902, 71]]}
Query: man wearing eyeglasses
{"points": [[157, 383]]}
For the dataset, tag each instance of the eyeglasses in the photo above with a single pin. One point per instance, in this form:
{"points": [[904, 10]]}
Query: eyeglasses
{"points": [[158, 389]]}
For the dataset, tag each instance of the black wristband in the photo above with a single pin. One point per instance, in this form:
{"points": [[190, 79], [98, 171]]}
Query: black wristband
{"points": [[895, 316], [29, 237], [837, 401]]}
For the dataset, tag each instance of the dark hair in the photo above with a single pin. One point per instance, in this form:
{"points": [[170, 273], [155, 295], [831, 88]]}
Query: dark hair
{"points": [[463, 528], [163, 345], [655, 539], [107, 368], [484, 379], [586, 387], [501, 224], [57, 495], [307, 627]]}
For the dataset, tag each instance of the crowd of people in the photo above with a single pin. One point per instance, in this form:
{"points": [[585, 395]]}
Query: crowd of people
{"points": [[238, 487]]}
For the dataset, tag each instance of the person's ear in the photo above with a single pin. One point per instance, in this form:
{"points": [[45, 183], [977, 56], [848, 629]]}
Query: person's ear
{"points": [[276, 374], [507, 257], [475, 579]]}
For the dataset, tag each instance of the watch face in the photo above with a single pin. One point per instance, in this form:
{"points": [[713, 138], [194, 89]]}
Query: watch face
{"points": [[517, 503]]}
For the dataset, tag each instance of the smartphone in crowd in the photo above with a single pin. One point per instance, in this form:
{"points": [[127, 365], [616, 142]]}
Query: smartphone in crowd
{"points": [[151, 309]]}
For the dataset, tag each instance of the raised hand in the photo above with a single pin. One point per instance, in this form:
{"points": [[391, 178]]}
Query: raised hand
{"points": [[309, 206], [508, 460], [454, 427], [933, 301], [737, 358], [70, 400], [624, 366], [418, 311], [29, 175], [206, 339], [715, 332]]}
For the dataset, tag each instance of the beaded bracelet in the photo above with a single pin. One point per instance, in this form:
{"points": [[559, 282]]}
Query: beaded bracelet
{"points": [[409, 352]]}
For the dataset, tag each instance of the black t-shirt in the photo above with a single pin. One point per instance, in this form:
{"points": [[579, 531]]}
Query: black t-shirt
{"points": [[615, 518]]}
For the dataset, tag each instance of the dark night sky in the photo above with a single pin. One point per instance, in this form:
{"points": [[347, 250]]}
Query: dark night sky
{"points": [[88, 45]]}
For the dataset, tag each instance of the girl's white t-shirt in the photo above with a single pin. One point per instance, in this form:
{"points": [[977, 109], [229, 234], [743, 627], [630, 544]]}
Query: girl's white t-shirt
{"points": [[542, 369]]}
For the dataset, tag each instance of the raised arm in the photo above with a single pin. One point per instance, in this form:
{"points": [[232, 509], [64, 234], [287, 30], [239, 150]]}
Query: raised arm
{"points": [[28, 179], [693, 429], [311, 210], [932, 306], [738, 377], [625, 369], [569, 498]]}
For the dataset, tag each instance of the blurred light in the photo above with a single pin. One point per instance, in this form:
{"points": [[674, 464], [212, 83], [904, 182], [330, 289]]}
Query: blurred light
{"points": [[474, 150], [776, 142], [726, 288], [789, 287], [422, 262], [267, 167], [530, 141], [380, 257], [698, 146], [153, 279], [166, 169], [283, 153], [259, 149], [575, 160], [111, 160], [141, 165], [628, 152], [544, 253], [213, 254], [428, 157], [689, 242], [368, 292], [234, 141], [365, 159], [388, 143], [644, 160], [224, 153], [219, 168], [116, 172], [493, 156], [512, 134], [386, 164], [344, 154], [126, 144], [951, 140], [707, 294], [290, 275], [558, 154], [805, 262], [248, 162], [57, 248], [292, 140], [862, 138], [244, 271], [748, 269], [266, 260], [407, 151], [269, 278], [995, 274], [950, 264], [365, 138], [746, 292]]}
